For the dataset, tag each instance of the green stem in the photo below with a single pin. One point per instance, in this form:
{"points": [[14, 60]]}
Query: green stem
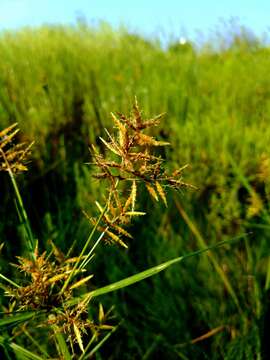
{"points": [[23, 215], [9, 281], [83, 251]]}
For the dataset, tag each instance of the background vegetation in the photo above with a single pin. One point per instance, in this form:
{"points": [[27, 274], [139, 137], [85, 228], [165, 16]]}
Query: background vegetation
{"points": [[60, 84]]}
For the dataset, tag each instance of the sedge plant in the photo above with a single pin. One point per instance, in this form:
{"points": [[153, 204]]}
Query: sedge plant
{"points": [[56, 291]]}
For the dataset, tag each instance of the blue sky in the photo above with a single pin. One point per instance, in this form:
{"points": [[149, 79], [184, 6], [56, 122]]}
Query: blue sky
{"points": [[183, 18]]}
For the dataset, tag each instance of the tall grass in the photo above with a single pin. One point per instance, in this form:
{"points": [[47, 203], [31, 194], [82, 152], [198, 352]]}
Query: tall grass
{"points": [[60, 84]]}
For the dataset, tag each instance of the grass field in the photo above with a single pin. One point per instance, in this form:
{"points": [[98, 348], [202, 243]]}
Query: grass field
{"points": [[61, 84]]}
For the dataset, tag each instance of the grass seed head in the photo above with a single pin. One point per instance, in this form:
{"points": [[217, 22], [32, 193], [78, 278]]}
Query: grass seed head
{"points": [[131, 159], [13, 157]]}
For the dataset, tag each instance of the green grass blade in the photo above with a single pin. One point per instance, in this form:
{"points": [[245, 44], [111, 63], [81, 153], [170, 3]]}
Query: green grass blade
{"points": [[4, 344], [23, 216], [202, 243], [9, 281], [26, 353], [35, 343], [19, 350], [90, 254], [83, 251], [62, 346], [149, 272], [98, 346], [243, 179], [15, 319], [93, 338]]}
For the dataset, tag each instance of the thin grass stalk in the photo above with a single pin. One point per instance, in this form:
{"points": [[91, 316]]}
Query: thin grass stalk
{"points": [[88, 256], [9, 281], [19, 350], [98, 346], [152, 347], [16, 319], [202, 244], [266, 214], [83, 251], [88, 260], [6, 352], [30, 337], [61, 344], [93, 338], [30, 243]]}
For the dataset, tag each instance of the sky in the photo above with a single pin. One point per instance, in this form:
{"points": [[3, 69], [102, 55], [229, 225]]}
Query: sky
{"points": [[186, 19]]}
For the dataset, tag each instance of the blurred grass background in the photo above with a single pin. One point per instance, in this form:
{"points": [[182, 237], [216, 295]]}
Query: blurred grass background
{"points": [[60, 84]]}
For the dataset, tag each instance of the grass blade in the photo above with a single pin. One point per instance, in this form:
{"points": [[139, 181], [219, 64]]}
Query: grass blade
{"points": [[202, 244], [83, 251], [98, 346], [15, 319], [93, 338], [35, 343], [23, 215], [20, 350], [149, 272], [9, 281], [62, 346]]}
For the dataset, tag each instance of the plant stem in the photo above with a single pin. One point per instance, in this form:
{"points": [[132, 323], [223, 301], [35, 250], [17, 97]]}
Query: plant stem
{"points": [[83, 251], [202, 244], [21, 209], [23, 215]]}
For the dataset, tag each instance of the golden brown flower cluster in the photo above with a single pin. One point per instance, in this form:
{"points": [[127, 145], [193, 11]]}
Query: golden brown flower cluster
{"points": [[43, 292], [13, 156], [132, 160]]}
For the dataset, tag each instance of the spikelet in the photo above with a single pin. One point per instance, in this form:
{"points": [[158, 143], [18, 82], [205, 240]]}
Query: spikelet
{"points": [[133, 194], [78, 336], [112, 210], [146, 140], [56, 278], [122, 231], [74, 259], [13, 156], [137, 114], [100, 208], [151, 191], [131, 200], [123, 138], [161, 193], [135, 213], [111, 146], [153, 122], [7, 135], [101, 314], [7, 130], [81, 282], [121, 127], [115, 238]]}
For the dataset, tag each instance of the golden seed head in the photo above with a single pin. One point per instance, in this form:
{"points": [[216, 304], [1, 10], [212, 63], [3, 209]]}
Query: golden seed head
{"points": [[131, 159], [13, 157]]}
